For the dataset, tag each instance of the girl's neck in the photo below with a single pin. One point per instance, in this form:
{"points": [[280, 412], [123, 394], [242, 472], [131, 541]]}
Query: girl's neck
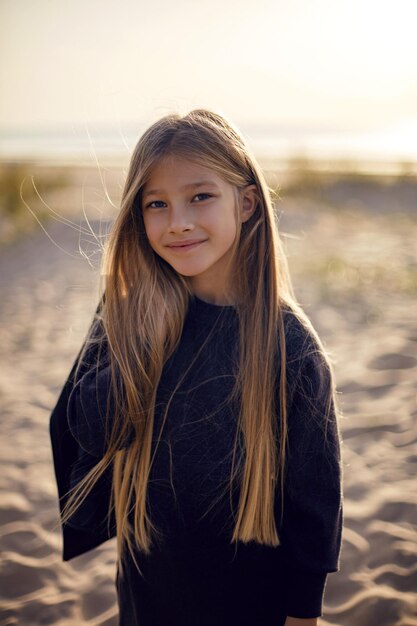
{"points": [[206, 303], [213, 289], [215, 301], [215, 297]]}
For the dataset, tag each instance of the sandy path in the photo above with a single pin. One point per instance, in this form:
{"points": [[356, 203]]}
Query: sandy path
{"points": [[47, 301]]}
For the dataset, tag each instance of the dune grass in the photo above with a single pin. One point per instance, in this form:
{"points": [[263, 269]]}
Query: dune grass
{"points": [[24, 187]]}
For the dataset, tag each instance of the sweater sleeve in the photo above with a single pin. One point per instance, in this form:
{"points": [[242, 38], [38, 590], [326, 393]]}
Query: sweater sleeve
{"points": [[87, 406], [90, 525], [91, 406], [313, 509]]}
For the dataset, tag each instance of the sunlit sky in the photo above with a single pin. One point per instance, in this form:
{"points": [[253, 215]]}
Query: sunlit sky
{"points": [[315, 64]]}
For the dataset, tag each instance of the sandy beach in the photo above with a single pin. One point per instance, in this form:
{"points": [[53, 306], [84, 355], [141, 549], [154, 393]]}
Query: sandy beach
{"points": [[354, 264]]}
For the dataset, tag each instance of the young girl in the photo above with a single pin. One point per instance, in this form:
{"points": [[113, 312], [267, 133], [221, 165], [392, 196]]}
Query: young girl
{"points": [[199, 422]]}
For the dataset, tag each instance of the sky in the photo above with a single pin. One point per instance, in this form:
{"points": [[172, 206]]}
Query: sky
{"points": [[333, 65]]}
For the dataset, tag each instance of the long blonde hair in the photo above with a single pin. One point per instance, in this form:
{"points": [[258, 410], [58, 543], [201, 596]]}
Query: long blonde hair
{"points": [[144, 307]]}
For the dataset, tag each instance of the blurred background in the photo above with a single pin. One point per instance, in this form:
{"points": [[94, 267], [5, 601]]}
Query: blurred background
{"points": [[325, 93]]}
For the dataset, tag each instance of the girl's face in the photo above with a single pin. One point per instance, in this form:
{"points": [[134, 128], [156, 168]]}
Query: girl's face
{"points": [[190, 221]]}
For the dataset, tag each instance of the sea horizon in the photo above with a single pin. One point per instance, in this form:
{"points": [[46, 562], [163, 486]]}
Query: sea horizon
{"points": [[389, 149]]}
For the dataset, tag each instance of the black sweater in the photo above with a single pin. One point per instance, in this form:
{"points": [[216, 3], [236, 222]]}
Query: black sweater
{"points": [[195, 576]]}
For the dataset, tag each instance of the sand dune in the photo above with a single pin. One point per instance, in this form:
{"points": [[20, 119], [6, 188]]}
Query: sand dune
{"points": [[48, 297]]}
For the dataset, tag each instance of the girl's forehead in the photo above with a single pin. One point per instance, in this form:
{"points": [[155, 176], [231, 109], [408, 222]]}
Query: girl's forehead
{"points": [[178, 162], [176, 169]]}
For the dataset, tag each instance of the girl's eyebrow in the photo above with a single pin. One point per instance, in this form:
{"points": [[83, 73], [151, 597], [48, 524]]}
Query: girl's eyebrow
{"points": [[201, 183]]}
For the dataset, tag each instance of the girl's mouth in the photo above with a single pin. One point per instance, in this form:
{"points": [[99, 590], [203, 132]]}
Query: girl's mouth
{"points": [[183, 248]]}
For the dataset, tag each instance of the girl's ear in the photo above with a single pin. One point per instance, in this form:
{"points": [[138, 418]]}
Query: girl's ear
{"points": [[249, 202]]}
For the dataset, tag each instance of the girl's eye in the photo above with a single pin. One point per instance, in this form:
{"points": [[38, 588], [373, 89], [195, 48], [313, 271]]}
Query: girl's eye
{"points": [[204, 195], [207, 195], [149, 206]]}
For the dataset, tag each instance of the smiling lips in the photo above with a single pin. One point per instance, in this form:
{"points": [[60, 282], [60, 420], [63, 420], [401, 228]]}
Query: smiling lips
{"points": [[187, 244]]}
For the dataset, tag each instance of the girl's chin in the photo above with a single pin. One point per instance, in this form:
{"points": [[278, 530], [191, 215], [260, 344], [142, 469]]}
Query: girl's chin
{"points": [[187, 273], [187, 269]]}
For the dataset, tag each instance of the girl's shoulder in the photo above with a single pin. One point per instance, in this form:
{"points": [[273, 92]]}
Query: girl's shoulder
{"points": [[94, 353], [307, 360], [300, 335]]}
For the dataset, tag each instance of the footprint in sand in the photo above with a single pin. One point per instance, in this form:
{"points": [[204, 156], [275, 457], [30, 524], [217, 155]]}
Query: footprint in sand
{"points": [[399, 578], [14, 507], [52, 609], [99, 600], [22, 576], [37, 543]]}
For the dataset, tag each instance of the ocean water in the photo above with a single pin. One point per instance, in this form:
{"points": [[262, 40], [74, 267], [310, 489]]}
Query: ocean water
{"points": [[389, 147]]}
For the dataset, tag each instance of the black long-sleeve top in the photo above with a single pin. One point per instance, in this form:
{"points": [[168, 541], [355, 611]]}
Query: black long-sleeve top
{"points": [[196, 577]]}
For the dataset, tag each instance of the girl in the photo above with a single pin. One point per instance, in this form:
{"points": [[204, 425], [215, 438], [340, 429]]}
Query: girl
{"points": [[199, 423]]}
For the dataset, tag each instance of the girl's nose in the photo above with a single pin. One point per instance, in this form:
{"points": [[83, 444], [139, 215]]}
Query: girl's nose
{"points": [[179, 219]]}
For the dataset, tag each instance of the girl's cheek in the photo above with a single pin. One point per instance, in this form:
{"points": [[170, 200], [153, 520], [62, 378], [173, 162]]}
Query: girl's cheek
{"points": [[151, 228], [155, 222]]}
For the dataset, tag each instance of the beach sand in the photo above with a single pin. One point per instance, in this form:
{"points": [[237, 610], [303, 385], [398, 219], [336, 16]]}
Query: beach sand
{"points": [[354, 271]]}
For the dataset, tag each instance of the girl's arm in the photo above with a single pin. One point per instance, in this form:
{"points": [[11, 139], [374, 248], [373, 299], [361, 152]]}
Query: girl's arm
{"points": [[313, 514], [89, 527], [91, 406], [298, 621], [87, 408], [90, 411]]}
